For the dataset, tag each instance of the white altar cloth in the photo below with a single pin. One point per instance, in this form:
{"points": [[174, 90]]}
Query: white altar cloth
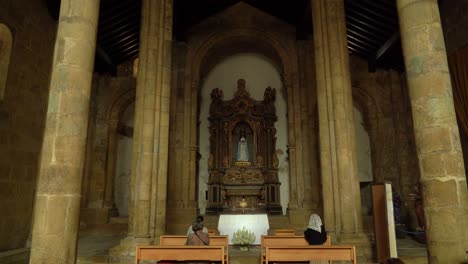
{"points": [[230, 223]]}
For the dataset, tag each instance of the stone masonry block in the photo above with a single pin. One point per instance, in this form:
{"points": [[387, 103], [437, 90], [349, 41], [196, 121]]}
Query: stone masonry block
{"points": [[436, 84], [434, 189], [453, 164], [433, 139], [431, 165]]}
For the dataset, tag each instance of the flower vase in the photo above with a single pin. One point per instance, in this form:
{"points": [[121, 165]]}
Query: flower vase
{"points": [[244, 247]]}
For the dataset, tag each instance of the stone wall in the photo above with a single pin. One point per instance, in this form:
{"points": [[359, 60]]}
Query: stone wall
{"points": [[22, 115], [382, 98], [110, 97]]}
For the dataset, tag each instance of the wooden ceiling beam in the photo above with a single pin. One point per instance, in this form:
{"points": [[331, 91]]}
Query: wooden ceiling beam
{"points": [[358, 40], [370, 12], [390, 10], [387, 45], [357, 21], [121, 41], [358, 50], [130, 43], [124, 29], [126, 15], [371, 21], [362, 36], [119, 23]]}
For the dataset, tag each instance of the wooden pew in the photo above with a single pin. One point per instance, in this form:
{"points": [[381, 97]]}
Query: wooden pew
{"points": [[211, 232], [285, 241], [288, 240], [308, 253], [169, 240], [180, 253], [285, 232]]}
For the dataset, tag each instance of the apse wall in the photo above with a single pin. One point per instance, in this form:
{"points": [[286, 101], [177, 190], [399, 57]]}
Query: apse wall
{"points": [[259, 72]]}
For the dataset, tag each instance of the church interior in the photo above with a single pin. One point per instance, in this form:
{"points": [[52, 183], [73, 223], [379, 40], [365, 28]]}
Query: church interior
{"points": [[122, 121]]}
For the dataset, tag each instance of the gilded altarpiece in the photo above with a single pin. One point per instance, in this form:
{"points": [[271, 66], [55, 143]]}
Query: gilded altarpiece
{"points": [[243, 164]]}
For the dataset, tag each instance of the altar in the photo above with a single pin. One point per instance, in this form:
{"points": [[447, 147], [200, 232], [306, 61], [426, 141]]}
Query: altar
{"points": [[243, 161], [257, 223]]}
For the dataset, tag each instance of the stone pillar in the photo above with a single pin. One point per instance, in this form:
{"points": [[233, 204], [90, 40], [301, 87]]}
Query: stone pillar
{"points": [[58, 196], [443, 179], [152, 121], [342, 203]]}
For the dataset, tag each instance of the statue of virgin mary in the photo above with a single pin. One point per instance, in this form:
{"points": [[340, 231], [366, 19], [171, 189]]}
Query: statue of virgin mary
{"points": [[242, 148]]}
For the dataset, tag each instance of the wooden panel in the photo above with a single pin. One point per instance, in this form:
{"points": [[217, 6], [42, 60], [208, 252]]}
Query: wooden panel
{"points": [[285, 232], [380, 222], [180, 240], [307, 253], [180, 253]]}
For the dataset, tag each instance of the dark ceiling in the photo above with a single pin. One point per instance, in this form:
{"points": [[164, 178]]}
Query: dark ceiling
{"points": [[372, 27]]}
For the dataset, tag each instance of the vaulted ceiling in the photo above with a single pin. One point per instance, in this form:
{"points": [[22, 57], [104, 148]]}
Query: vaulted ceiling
{"points": [[371, 25]]}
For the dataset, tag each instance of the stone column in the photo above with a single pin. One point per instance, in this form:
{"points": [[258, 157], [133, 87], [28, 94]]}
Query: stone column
{"points": [[58, 196], [336, 125], [152, 121], [443, 179]]}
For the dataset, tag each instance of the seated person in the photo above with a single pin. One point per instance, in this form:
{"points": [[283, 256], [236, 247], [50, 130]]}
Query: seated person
{"points": [[315, 233], [198, 237], [200, 219]]}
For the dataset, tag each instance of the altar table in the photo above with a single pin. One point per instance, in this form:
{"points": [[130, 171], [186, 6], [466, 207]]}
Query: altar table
{"points": [[257, 223]]}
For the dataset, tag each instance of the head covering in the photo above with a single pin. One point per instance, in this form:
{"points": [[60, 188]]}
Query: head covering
{"points": [[315, 223], [197, 225]]}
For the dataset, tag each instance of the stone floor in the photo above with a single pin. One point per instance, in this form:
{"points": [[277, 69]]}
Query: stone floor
{"points": [[93, 248]]}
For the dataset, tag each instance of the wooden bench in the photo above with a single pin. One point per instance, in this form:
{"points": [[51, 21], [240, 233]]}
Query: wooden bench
{"points": [[180, 253], [267, 241], [285, 232], [169, 240], [308, 253]]}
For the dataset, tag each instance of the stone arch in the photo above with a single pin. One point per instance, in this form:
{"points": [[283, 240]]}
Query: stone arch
{"points": [[116, 107], [219, 45], [203, 57], [371, 112], [6, 42]]}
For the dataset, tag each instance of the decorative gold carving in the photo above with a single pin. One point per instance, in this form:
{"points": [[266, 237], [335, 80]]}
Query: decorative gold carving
{"points": [[242, 163], [242, 135], [259, 161], [243, 203], [226, 162], [243, 177], [210, 161], [275, 160]]}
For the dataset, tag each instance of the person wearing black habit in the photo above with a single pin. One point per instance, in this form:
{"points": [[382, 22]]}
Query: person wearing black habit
{"points": [[315, 233]]}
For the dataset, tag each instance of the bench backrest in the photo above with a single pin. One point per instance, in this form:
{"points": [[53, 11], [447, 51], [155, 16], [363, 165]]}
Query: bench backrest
{"points": [[307, 253], [180, 253], [168, 240], [285, 232], [288, 241]]}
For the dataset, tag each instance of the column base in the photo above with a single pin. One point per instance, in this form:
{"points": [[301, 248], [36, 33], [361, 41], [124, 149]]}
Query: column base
{"points": [[178, 219], [125, 252], [363, 242]]}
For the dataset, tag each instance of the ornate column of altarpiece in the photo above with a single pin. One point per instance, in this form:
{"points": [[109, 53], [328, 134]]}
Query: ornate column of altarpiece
{"points": [[243, 163]]}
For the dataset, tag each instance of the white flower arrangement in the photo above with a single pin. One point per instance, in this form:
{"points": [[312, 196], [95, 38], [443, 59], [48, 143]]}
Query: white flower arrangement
{"points": [[243, 237]]}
